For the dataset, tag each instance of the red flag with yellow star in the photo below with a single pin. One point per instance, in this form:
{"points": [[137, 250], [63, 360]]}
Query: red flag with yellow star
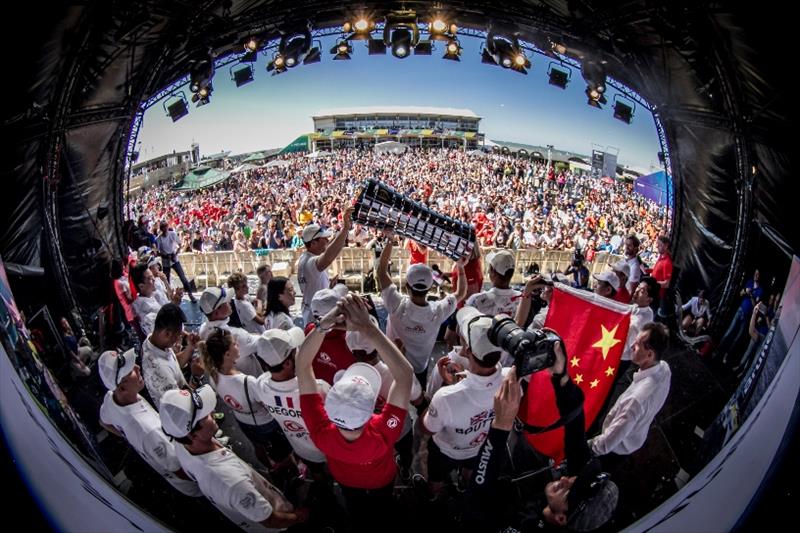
{"points": [[594, 330]]}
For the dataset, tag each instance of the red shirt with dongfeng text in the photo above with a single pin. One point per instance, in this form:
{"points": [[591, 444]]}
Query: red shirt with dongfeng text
{"points": [[365, 463]]}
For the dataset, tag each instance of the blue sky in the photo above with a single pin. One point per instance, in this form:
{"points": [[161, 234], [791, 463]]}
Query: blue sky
{"points": [[272, 111]]}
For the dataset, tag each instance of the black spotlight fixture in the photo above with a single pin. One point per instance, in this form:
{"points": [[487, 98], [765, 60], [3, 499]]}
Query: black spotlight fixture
{"points": [[342, 50], [595, 75], [376, 47], [241, 74], [595, 98], [176, 106], [359, 29], [201, 72], [401, 33], [559, 75], [440, 29], [505, 52], [294, 48], [251, 47], [453, 50], [622, 110], [203, 96]]}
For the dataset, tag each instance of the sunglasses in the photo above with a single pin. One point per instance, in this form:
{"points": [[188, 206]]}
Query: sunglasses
{"points": [[120, 366], [197, 403], [219, 298]]}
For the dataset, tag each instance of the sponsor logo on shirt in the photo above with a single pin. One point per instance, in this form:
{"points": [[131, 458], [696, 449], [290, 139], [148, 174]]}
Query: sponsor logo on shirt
{"points": [[483, 464], [433, 412], [283, 411], [393, 422], [248, 501], [418, 329], [292, 426], [476, 423], [230, 400], [289, 402]]}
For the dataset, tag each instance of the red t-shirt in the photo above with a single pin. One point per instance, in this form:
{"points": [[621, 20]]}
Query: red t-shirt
{"points": [[623, 296], [418, 255], [474, 278], [333, 355], [368, 461], [662, 270]]}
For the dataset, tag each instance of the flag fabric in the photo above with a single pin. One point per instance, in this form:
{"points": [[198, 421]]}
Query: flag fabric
{"points": [[594, 330]]}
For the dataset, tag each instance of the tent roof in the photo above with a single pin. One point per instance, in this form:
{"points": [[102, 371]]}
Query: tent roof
{"points": [[200, 178]]}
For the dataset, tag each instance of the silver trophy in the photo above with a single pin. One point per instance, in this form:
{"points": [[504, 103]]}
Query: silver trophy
{"points": [[380, 206]]}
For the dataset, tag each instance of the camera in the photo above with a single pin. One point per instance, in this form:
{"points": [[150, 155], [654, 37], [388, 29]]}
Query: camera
{"points": [[532, 350], [577, 258]]}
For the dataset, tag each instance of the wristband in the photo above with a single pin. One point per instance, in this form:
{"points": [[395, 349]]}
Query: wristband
{"points": [[318, 325]]}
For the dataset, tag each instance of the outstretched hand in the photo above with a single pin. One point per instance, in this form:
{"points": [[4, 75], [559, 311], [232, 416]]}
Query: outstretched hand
{"points": [[356, 313], [506, 402]]}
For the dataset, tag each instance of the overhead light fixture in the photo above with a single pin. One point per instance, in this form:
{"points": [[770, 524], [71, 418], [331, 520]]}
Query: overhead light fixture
{"points": [[423, 48], [203, 96], [506, 52], [251, 47], [401, 33], [595, 75], [201, 72], [241, 75], [293, 49], [360, 28], [438, 26], [595, 98], [452, 50], [376, 47], [559, 76], [342, 50], [176, 106], [622, 110]]}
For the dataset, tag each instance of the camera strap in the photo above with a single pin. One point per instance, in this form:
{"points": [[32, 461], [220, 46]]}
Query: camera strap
{"points": [[521, 426]]}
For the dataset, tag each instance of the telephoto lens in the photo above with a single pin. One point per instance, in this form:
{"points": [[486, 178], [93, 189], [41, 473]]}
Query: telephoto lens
{"points": [[532, 350]]}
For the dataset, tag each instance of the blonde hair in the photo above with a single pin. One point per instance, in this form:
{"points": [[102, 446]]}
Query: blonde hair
{"points": [[213, 351], [235, 279]]}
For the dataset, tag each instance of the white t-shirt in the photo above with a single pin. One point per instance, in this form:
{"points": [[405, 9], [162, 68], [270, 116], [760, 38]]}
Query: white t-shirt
{"points": [[310, 280], [231, 390], [636, 273], [247, 314], [238, 491], [495, 301], [161, 295], [146, 309], [282, 400], [460, 415], [161, 371], [417, 326], [278, 321], [386, 383], [639, 317], [247, 362], [538, 319], [140, 424]]}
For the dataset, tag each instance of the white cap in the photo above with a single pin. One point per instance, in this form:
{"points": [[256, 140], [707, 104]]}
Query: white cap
{"points": [[143, 251], [474, 327], [501, 261], [609, 277], [113, 367], [326, 299], [356, 340], [274, 345], [419, 277], [213, 297], [153, 260], [622, 266], [351, 401], [314, 231], [180, 409]]}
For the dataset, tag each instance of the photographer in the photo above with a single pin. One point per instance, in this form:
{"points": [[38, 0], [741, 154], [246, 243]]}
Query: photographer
{"points": [[582, 500], [168, 245], [580, 274]]}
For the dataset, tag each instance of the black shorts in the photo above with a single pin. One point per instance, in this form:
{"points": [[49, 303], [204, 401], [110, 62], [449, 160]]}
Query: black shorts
{"points": [[270, 437], [440, 465]]}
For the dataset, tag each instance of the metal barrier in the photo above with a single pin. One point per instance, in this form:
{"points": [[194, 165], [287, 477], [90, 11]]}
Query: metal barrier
{"points": [[213, 268]]}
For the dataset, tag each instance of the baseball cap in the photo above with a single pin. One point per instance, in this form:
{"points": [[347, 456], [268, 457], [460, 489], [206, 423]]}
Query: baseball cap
{"points": [[596, 510], [419, 277], [180, 409], [474, 327], [326, 299], [501, 261], [351, 401], [356, 340], [314, 231], [213, 297], [609, 277], [274, 345], [113, 367], [622, 266]]}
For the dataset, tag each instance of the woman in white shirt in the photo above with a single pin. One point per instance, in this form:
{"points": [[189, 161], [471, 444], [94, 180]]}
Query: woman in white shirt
{"points": [[280, 297], [240, 391]]}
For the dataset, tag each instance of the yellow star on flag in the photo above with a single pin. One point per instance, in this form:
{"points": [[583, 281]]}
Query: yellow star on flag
{"points": [[610, 371], [579, 379], [595, 383], [575, 361], [607, 341]]}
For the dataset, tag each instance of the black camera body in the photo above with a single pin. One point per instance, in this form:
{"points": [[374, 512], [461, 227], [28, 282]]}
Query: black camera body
{"points": [[532, 350]]}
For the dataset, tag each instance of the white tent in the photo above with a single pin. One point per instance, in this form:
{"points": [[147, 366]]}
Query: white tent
{"points": [[281, 163], [476, 153], [390, 147], [320, 153], [243, 167]]}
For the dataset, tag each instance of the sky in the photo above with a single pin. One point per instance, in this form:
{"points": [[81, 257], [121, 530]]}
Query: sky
{"points": [[272, 111]]}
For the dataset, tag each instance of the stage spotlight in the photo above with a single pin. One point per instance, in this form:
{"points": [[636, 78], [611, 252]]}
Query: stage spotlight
{"points": [[342, 50], [423, 48], [242, 75], [506, 52], [401, 42], [277, 65], [401, 33], [201, 72], [623, 111], [559, 77], [361, 29], [438, 26], [203, 96], [452, 51], [293, 49], [362, 25], [595, 75], [176, 106], [251, 47], [376, 47]]}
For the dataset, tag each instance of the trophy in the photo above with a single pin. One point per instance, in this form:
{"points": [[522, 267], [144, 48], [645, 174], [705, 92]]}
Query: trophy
{"points": [[380, 206]]}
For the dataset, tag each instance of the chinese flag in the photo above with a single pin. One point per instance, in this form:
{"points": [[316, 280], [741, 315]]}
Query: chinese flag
{"points": [[594, 330]]}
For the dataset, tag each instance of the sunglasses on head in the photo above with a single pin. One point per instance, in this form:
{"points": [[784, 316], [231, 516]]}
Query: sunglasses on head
{"points": [[197, 403], [120, 366]]}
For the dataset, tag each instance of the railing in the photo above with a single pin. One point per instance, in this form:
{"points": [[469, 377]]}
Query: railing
{"points": [[213, 268]]}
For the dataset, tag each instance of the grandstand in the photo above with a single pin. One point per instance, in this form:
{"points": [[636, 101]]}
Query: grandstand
{"points": [[411, 125]]}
